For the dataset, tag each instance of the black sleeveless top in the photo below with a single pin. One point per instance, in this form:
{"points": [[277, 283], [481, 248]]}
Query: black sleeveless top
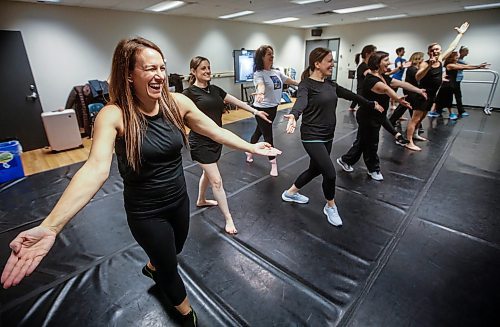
{"points": [[451, 76], [159, 181], [432, 80]]}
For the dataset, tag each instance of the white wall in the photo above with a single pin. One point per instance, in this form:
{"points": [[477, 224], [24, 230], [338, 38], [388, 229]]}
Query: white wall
{"points": [[482, 38], [67, 46]]}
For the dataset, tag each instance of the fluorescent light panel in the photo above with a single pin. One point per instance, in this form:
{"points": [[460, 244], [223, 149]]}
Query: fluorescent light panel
{"points": [[304, 2], [485, 6], [166, 5], [237, 14], [281, 20], [53, 1], [388, 17], [315, 25], [360, 8]]}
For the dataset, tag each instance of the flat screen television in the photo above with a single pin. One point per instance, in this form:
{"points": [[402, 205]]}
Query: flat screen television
{"points": [[243, 65]]}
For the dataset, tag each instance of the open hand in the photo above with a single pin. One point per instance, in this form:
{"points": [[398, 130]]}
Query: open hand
{"points": [[259, 97], [463, 28], [28, 249], [263, 115], [407, 64], [406, 103], [378, 107], [423, 93], [292, 123], [265, 149]]}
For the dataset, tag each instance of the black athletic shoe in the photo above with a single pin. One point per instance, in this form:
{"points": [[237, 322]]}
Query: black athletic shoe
{"points": [[190, 320], [148, 272], [420, 130], [401, 140]]}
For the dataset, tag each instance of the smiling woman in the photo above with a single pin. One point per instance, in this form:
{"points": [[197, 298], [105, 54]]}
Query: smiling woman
{"points": [[144, 123]]}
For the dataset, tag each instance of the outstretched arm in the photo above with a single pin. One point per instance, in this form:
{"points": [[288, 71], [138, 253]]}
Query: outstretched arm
{"points": [[240, 104], [31, 246], [466, 67], [407, 86], [201, 124], [461, 30], [382, 88]]}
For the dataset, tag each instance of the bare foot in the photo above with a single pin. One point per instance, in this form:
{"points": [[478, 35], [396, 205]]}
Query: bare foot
{"points": [[249, 157], [206, 203], [352, 109], [230, 228], [419, 138], [412, 147]]}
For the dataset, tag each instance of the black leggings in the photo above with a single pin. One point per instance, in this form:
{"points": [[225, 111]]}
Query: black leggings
{"points": [[366, 143], [319, 164], [162, 235], [264, 128]]}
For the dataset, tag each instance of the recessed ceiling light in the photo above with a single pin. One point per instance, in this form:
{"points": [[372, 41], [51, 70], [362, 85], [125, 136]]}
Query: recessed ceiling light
{"points": [[304, 2], [165, 5], [485, 6], [388, 17], [315, 25], [237, 14], [360, 8], [281, 20]]}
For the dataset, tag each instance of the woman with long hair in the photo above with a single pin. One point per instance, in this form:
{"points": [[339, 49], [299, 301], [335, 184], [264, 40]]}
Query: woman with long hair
{"points": [[377, 87], [269, 88], [430, 77], [415, 59], [210, 100], [444, 97], [317, 98], [145, 124]]}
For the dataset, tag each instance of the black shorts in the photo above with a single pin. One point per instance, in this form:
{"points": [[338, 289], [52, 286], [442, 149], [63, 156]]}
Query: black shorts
{"points": [[421, 104], [206, 153]]}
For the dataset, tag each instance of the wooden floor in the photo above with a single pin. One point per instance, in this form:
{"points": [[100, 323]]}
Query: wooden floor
{"points": [[39, 160]]}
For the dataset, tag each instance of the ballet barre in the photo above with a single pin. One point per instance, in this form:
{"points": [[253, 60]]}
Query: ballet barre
{"points": [[494, 82]]}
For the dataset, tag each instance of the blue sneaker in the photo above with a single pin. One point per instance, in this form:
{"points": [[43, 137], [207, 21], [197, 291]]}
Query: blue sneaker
{"points": [[464, 114], [453, 117], [433, 114], [297, 197], [332, 214]]}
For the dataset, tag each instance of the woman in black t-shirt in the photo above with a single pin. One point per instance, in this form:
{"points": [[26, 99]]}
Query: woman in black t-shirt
{"points": [[317, 98], [362, 70], [377, 87], [210, 99]]}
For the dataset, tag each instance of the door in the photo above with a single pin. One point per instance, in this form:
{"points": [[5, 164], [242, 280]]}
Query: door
{"points": [[20, 108], [332, 44]]}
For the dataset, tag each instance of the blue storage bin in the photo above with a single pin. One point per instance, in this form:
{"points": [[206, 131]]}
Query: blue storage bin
{"points": [[11, 166]]}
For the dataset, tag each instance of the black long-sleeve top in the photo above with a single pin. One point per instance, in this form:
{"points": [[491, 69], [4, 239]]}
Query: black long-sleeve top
{"points": [[317, 103]]}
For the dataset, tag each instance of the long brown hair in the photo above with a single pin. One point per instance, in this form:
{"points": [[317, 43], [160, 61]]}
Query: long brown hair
{"points": [[193, 64], [316, 55], [121, 93]]}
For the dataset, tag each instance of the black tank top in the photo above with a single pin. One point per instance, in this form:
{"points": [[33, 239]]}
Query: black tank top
{"points": [[432, 80], [159, 181]]}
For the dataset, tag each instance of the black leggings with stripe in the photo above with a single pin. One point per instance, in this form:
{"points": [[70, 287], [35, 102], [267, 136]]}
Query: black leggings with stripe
{"points": [[319, 164]]}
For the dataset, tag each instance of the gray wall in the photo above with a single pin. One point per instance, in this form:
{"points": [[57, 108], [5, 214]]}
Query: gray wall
{"points": [[69, 45]]}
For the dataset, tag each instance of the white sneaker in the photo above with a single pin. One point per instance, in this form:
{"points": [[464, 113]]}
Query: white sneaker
{"points": [[297, 197], [332, 214], [376, 175], [344, 166]]}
